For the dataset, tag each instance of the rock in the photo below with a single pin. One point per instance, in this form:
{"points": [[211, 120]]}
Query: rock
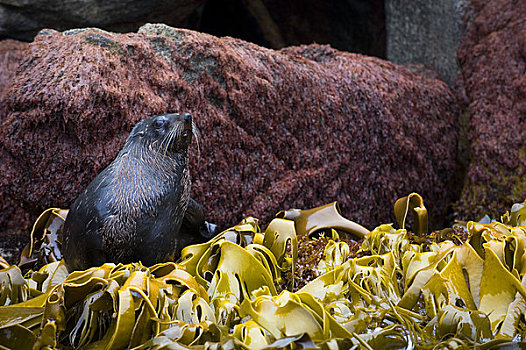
{"points": [[12, 238], [353, 25], [11, 52], [23, 19], [426, 32], [493, 61], [300, 127]]}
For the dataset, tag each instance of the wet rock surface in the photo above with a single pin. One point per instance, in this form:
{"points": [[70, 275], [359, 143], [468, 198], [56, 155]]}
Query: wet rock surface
{"points": [[493, 88], [299, 127]]}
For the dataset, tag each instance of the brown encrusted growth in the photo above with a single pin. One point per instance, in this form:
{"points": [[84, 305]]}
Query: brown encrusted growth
{"points": [[493, 60], [298, 127], [310, 252], [458, 234]]}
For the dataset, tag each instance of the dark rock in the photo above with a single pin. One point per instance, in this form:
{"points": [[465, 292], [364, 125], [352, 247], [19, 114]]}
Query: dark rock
{"points": [[493, 60], [352, 25], [23, 19], [299, 127], [427, 32]]}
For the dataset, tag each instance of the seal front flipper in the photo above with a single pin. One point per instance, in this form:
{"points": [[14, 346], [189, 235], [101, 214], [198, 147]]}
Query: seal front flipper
{"points": [[194, 224]]}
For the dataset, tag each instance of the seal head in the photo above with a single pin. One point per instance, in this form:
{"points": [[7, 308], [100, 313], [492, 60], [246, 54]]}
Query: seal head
{"points": [[133, 210]]}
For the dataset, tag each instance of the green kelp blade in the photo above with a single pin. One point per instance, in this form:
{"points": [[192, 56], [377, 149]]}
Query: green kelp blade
{"points": [[280, 238], [421, 278], [3, 263], [334, 254], [412, 262], [17, 337], [458, 283], [332, 284], [16, 315], [460, 322], [267, 259], [377, 274], [201, 260], [479, 234], [390, 337], [193, 309], [516, 216], [238, 272], [226, 310], [414, 203], [456, 277], [76, 292], [472, 266], [498, 289], [324, 217], [47, 337], [515, 252], [119, 334], [86, 324], [251, 334], [13, 287], [331, 328], [278, 235], [182, 335], [283, 315], [101, 272], [45, 239], [183, 278], [54, 274], [384, 239], [510, 325], [300, 341]]}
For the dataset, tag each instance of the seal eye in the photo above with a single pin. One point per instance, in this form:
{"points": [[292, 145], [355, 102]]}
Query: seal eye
{"points": [[159, 123]]}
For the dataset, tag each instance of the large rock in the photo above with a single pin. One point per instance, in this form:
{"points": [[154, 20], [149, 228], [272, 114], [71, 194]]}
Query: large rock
{"points": [[11, 53], [11, 237], [426, 32], [493, 60], [298, 127], [23, 19]]}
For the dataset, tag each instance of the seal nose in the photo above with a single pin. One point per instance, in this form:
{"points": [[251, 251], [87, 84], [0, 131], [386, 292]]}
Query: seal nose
{"points": [[187, 117]]}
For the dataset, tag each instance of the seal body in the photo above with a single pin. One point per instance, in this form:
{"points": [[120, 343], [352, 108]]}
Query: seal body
{"points": [[133, 210]]}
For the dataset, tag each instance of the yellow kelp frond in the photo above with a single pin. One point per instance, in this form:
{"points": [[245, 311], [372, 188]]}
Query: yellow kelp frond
{"points": [[462, 287]]}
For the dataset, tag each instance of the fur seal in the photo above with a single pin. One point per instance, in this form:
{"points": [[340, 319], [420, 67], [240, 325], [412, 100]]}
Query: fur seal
{"points": [[139, 207]]}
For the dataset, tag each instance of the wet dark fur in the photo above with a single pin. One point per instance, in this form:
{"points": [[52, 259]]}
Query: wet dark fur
{"points": [[133, 210]]}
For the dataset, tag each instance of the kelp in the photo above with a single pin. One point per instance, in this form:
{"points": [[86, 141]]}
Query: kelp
{"points": [[401, 289], [45, 239]]}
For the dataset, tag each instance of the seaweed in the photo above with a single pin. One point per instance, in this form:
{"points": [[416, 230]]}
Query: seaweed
{"points": [[461, 287]]}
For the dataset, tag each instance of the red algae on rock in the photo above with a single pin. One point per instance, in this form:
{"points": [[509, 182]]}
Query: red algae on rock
{"points": [[493, 61], [11, 53], [299, 127]]}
